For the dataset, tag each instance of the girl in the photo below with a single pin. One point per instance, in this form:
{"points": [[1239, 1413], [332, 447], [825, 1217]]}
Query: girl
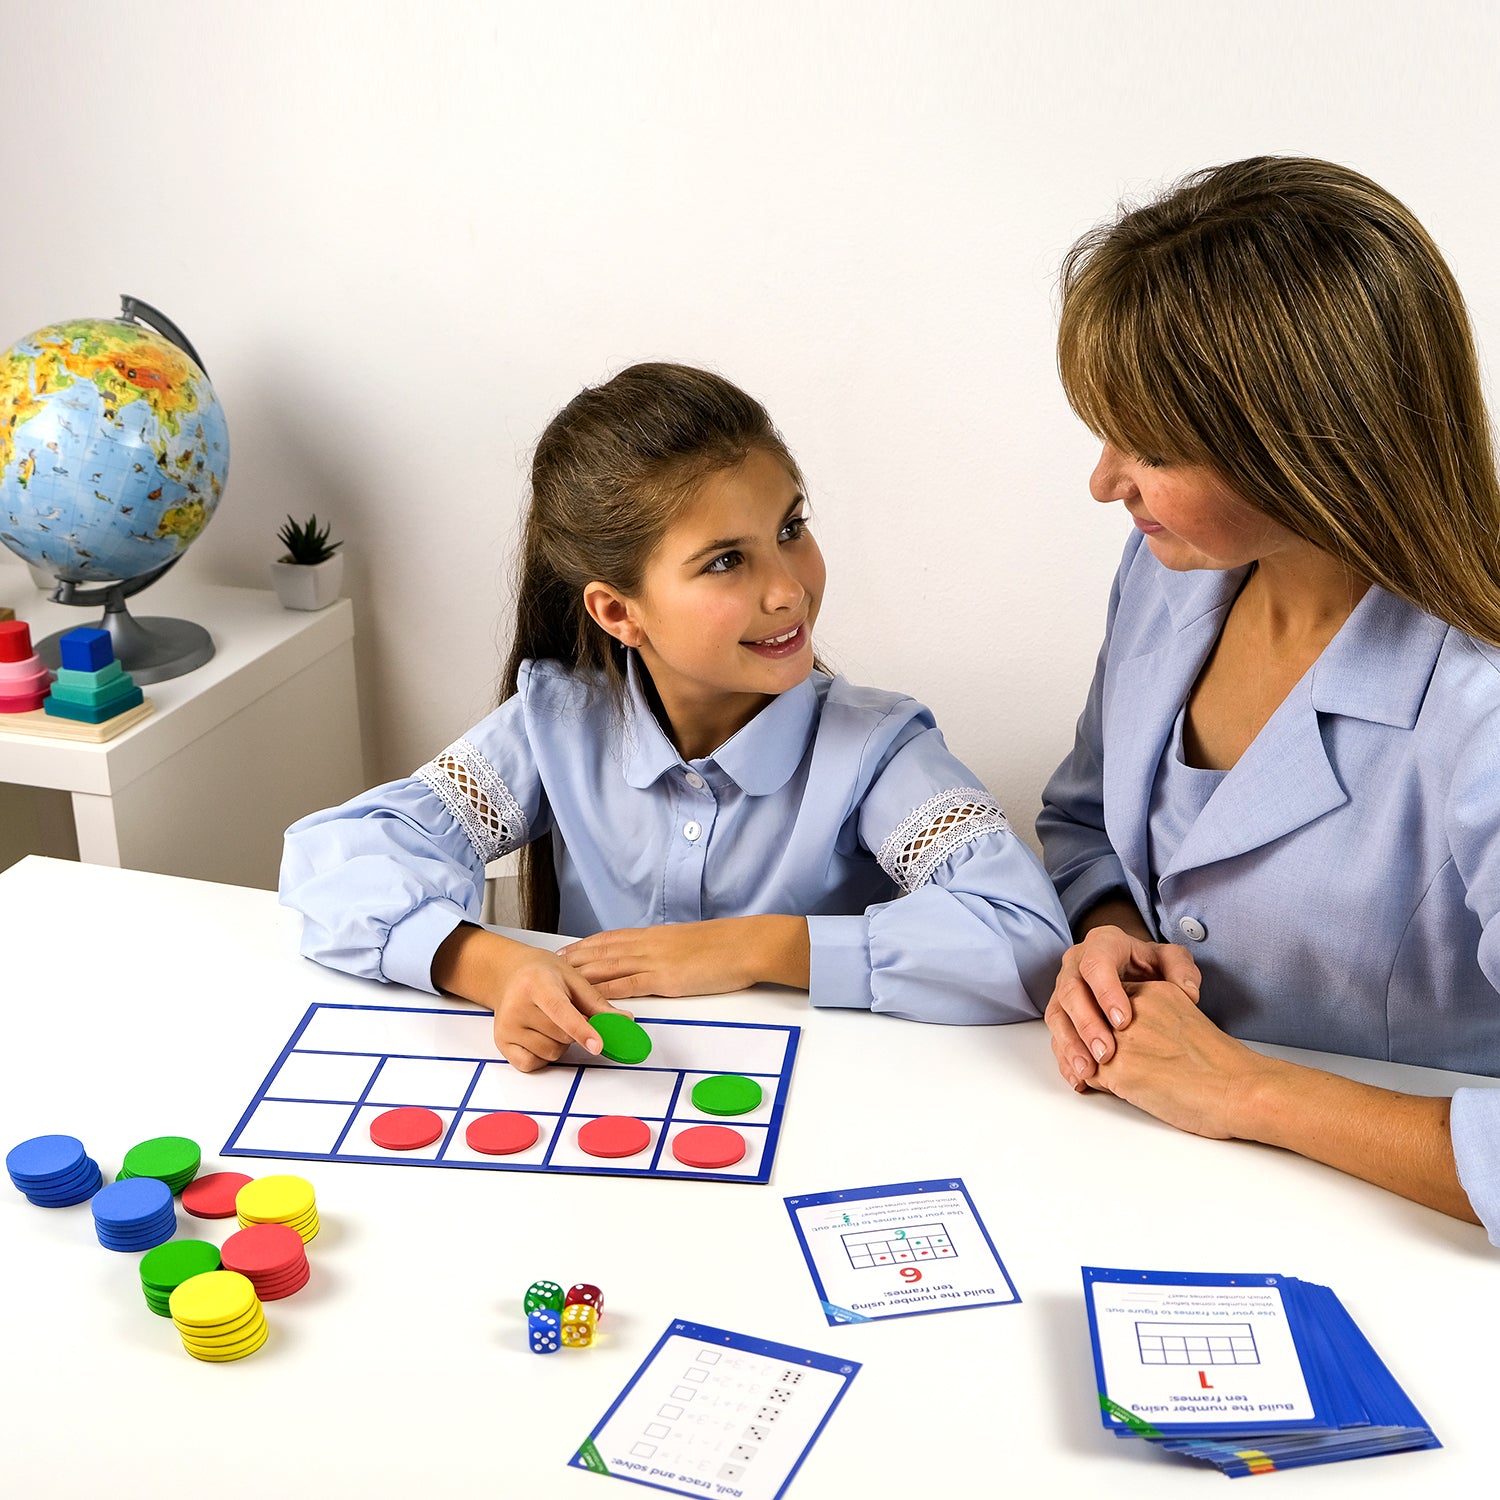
{"points": [[693, 793], [1281, 818]]}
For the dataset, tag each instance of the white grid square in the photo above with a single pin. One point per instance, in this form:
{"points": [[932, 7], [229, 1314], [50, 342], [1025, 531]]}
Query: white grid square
{"points": [[569, 1153], [278, 1125], [358, 1143], [323, 1075], [685, 1109], [434, 1082], [501, 1086], [460, 1150], [614, 1091], [747, 1166]]}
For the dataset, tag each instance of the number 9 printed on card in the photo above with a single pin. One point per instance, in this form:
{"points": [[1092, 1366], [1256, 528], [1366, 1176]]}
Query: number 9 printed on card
{"points": [[425, 1087]]}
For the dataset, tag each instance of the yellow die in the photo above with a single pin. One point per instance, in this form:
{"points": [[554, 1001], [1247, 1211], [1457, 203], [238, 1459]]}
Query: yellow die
{"points": [[578, 1321]]}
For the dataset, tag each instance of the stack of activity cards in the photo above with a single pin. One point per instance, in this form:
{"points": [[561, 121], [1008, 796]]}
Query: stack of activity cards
{"points": [[165, 1268], [172, 1159], [278, 1200], [272, 1257], [134, 1215], [54, 1171], [1250, 1373], [219, 1316]]}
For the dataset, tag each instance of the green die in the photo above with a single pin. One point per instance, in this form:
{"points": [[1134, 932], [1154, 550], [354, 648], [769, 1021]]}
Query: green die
{"points": [[542, 1294]]}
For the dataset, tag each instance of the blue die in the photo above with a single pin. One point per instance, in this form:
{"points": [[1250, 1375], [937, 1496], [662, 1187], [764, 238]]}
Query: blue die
{"points": [[86, 649], [545, 1330]]}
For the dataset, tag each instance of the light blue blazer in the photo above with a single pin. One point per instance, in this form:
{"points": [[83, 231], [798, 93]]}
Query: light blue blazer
{"points": [[1341, 889]]}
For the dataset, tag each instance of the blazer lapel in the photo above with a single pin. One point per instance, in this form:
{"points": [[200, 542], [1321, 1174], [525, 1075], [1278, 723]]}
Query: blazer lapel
{"points": [[1147, 689], [1282, 781], [1376, 668]]}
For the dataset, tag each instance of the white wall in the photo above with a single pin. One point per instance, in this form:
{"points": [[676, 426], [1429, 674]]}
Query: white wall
{"points": [[402, 235]]}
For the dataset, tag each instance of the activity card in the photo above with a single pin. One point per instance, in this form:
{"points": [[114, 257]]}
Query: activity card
{"points": [[897, 1250]]}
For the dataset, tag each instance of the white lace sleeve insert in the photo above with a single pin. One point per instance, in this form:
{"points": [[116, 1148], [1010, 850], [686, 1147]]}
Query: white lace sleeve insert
{"points": [[479, 801], [929, 834]]}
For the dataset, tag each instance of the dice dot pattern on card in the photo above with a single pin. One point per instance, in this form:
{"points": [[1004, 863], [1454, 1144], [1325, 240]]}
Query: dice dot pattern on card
{"points": [[720, 1415]]}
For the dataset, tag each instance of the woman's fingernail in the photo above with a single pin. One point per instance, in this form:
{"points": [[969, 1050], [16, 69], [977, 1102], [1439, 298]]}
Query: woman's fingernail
{"points": [[1118, 1017], [1098, 1050], [1079, 1065]]}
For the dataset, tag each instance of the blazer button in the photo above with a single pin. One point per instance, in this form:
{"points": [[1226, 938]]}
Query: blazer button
{"points": [[692, 831], [1192, 929]]}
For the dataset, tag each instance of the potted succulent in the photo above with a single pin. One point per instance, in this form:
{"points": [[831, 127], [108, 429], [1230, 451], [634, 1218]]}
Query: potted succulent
{"points": [[309, 575]]}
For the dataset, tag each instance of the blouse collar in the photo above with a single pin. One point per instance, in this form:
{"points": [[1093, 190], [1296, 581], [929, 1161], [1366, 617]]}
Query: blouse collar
{"points": [[759, 758]]}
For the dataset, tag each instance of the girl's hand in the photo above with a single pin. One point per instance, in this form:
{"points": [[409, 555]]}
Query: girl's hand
{"points": [[1090, 1003], [1174, 1063], [693, 958], [541, 1003], [543, 1006]]}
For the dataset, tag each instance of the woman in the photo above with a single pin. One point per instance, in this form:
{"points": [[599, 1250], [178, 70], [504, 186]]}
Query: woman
{"points": [[1281, 817]]}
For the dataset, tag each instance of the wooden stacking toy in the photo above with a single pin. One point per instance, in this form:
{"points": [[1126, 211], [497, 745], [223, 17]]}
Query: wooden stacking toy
{"points": [[91, 685]]}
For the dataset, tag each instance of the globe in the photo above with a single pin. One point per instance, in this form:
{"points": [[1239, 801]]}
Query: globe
{"points": [[114, 453], [113, 450]]}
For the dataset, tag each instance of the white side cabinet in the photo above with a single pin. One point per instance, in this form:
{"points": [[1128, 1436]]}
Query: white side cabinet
{"points": [[235, 750]]}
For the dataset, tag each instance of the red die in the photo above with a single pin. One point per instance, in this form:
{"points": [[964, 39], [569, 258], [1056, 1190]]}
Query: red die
{"points": [[589, 1296]]}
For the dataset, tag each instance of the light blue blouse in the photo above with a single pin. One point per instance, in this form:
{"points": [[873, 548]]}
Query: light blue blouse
{"points": [[836, 802], [1340, 889]]}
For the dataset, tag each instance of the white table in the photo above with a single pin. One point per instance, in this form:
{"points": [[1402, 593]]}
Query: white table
{"points": [[402, 1369], [264, 732]]}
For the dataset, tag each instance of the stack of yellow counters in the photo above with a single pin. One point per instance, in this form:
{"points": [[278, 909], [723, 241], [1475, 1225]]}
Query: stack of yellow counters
{"points": [[219, 1316], [278, 1200]]}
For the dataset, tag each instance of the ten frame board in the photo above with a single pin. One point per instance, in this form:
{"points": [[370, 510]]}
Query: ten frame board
{"points": [[346, 1064]]}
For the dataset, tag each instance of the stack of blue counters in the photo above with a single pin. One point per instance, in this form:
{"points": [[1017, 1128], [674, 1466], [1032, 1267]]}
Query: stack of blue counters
{"points": [[54, 1171], [137, 1214]]}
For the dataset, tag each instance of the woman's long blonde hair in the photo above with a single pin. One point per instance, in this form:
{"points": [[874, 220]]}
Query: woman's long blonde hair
{"points": [[1290, 324]]}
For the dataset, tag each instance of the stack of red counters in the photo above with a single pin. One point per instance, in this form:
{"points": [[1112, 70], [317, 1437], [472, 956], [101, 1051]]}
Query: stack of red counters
{"points": [[24, 681], [212, 1197], [272, 1257]]}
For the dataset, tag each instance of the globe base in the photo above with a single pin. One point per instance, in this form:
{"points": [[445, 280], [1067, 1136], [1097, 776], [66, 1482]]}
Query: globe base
{"points": [[154, 648]]}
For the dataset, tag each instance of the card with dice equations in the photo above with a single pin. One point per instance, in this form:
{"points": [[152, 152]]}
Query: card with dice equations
{"points": [[714, 1412]]}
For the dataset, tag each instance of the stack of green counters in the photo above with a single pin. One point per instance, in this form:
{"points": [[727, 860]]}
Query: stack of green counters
{"points": [[165, 1268], [172, 1159]]}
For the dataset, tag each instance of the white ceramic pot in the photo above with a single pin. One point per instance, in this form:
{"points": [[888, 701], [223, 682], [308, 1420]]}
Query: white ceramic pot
{"points": [[300, 586]]}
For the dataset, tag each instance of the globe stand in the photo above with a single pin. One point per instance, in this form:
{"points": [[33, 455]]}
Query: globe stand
{"points": [[152, 649]]}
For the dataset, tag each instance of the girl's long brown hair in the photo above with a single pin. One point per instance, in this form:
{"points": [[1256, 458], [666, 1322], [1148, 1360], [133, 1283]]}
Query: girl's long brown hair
{"points": [[1290, 324], [611, 472]]}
